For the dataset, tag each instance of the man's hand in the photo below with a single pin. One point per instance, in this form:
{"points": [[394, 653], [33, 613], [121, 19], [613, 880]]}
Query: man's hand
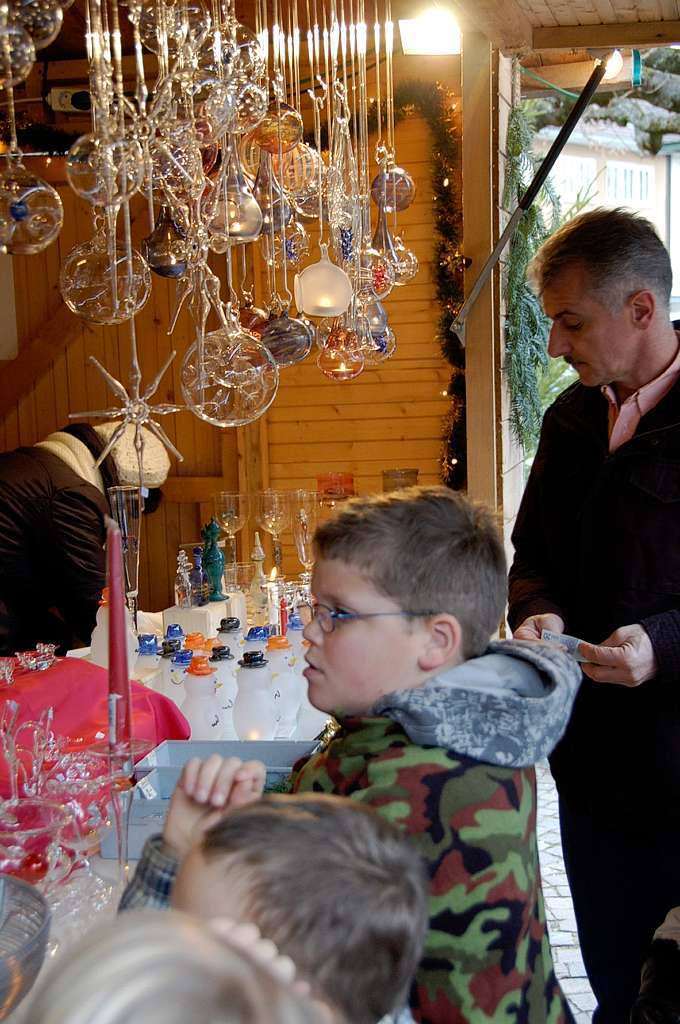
{"points": [[532, 627], [204, 792], [626, 657]]}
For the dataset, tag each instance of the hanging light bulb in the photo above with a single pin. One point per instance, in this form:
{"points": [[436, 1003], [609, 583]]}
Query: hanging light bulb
{"points": [[165, 249], [322, 289], [341, 357], [235, 215]]}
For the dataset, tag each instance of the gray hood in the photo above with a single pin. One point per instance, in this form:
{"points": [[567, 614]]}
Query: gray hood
{"points": [[508, 707]]}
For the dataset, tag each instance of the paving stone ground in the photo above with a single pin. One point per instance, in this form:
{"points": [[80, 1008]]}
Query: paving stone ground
{"points": [[559, 910]]}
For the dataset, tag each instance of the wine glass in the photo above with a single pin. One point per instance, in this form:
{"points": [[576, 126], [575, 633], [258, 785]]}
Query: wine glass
{"points": [[231, 511], [305, 518], [272, 512]]}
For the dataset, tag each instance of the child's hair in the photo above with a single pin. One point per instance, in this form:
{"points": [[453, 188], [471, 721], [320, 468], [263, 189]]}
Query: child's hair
{"points": [[152, 967], [430, 550], [337, 888]]}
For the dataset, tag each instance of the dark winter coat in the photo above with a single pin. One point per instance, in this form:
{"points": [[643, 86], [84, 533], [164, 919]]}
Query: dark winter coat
{"points": [[52, 565], [597, 540]]}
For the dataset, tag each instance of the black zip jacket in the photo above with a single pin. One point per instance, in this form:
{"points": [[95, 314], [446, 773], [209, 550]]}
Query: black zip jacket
{"points": [[597, 540]]}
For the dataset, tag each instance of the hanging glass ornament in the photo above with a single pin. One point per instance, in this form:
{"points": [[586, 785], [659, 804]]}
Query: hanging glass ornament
{"points": [[104, 286], [17, 55], [236, 55], [341, 357], [165, 249], [394, 189], [236, 381], [294, 241], [288, 339], [298, 172], [271, 200], [250, 155], [407, 266], [31, 213], [104, 173], [175, 25], [281, 127], [375, 276], [177, 164], [253, 318], [42, 19], [342, 189], [196, 98], [322, 288], [376, 348], [403, 262], [376, 314], [251, 107], [231, 209]]}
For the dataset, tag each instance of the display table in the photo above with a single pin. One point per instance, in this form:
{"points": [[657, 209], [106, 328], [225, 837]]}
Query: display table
{"points": [[78, 692]]}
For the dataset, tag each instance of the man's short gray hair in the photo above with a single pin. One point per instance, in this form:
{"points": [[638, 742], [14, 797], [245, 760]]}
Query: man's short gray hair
{"points": [[619, 250]]}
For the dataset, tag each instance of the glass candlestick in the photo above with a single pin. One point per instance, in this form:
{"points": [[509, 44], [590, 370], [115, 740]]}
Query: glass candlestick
{"points": [[126, 508]]}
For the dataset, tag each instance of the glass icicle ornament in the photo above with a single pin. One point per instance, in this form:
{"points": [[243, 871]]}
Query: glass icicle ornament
{"points": [[104, 173], [234, 215], [165, 249], [342, 187], [234, 383], [288, 339], [403, 262], [322, 288], [341, 357], [394, 189], [99, 283], [31, 213], [271, 200]]}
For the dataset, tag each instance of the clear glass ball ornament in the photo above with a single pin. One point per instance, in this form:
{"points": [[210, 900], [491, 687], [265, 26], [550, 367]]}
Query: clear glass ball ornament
{"points": [[288, 339], [105, 174], [236, 55], [251, 106], [293, 243], [171, 29], [394, 189], [281, 127], [375, 276], [234, 383], [177, 163], [31, 213], [299, 171], [406, 267], [102, 290], [341, 357], [378, 347], [236, 219], [42, 19], [195, 98], [17, 54]]}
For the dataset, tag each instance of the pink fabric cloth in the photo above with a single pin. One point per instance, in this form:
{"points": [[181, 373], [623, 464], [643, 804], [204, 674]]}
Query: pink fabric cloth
{"points": [[624, 418], [78, 692]]}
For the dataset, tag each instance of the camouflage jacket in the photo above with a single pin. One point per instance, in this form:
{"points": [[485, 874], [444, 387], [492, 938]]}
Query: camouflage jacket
{"points": [[487, 955]]}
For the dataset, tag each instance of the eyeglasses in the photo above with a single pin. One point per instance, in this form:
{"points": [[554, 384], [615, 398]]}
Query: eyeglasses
{"points": [[327, 617]]}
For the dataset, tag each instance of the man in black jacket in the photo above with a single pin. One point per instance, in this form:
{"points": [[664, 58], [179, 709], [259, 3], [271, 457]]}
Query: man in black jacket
{"points": [[597, 555]]}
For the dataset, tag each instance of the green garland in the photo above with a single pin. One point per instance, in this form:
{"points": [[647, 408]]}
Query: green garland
{"points": [[526, 325], [435, 106]]}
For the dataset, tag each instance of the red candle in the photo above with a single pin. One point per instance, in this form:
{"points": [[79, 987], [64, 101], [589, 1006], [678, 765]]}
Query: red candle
{"points": [[120, 705]]}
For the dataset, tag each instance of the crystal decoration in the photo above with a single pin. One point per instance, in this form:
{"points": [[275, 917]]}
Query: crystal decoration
{"points": [[288, 339], [31, 213], [171, 30], [165, 249], [104, 173], [291, 244], [17, 54], [271, 200], [323, 289], [235, 382], [233, 213], [42, 19], [403, 262], [281, 128], [341, 357], [394, 189], [100, 283]]}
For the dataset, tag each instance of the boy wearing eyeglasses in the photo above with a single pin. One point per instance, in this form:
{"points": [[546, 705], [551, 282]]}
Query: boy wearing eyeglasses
{"points": [[439, 729]]}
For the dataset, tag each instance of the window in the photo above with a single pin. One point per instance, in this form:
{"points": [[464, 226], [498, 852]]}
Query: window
{"points": [[629, 183], [573, 176]]}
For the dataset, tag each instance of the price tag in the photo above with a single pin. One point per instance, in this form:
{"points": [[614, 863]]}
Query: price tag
{"points": [[147, 789]]}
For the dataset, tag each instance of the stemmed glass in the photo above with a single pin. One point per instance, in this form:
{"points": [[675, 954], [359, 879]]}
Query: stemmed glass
{"points": [[126, 508], [231, 511], [272, 512], [305, 518]]}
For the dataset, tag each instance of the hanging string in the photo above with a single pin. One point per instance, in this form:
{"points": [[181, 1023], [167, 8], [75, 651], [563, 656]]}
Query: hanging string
{"points": [[376, 45]]}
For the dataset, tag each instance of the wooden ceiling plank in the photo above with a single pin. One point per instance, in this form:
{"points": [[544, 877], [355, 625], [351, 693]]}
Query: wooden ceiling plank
{"points": [[502, 22], [669, 9], [638, 34]]}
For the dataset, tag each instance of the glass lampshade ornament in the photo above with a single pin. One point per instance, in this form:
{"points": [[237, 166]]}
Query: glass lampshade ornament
{"points": [[104, 173], [288, 339], [293, 242], [341, 357], [233, 213], [234, 383], [17, 54], [322, 288], [394, 189], [280, 128], [31, 212], [102, 289], [271, 200], [42, 19], [166, 248]]}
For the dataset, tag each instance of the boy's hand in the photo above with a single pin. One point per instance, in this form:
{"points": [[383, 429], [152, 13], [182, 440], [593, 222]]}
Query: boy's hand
{"points": [[204, 792]]}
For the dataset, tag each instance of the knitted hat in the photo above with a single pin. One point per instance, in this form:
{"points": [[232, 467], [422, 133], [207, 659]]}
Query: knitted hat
{"points": [[156, 463]]}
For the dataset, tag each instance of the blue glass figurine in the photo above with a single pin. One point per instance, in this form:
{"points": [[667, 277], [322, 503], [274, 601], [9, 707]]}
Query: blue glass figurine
{"points": [[200, 585], [213, 560]]}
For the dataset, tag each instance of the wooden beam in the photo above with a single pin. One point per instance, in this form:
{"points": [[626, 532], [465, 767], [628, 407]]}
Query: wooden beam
{"points": [[503, 23], [573, 75], [37, 354], [628, 33], [478, 226]]}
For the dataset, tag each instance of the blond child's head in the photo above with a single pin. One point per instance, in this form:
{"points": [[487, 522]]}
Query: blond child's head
{"points": [[405, 584], [334, 885]]}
